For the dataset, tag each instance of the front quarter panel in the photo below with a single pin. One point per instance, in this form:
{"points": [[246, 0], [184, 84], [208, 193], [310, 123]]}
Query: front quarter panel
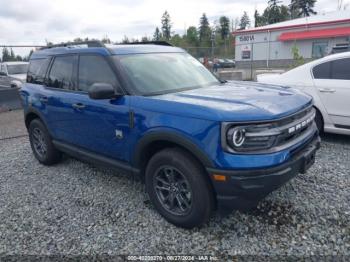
{"points": [[202, 134]]}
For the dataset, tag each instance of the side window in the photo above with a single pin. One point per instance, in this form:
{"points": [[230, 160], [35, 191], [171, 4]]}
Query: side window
{"points": [[322, 71], [37, 70], [61, 73], [94, 69], [341, 69]]}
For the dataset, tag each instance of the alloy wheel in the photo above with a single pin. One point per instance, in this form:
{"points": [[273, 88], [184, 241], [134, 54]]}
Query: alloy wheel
{"points": [[173, 190], [39, 143]]}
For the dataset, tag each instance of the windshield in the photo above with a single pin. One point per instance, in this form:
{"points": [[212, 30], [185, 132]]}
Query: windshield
{"points": [[166, 72], [17, 69]]}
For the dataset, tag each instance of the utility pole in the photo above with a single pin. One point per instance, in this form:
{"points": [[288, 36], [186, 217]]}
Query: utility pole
{"points": [[212, 43]]}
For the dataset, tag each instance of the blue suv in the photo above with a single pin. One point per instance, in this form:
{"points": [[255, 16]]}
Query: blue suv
{"points": [[152, 109]]}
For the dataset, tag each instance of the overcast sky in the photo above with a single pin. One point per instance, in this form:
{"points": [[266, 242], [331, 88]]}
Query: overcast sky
{"points": [[35, 21]]}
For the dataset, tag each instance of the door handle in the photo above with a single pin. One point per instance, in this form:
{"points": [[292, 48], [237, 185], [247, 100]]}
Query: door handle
{"points": [[326, 90], [78, 106], [43, 99]]}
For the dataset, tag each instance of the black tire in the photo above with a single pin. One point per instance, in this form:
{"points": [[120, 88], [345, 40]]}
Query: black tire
{"points": [[319, 122], [47, 154], [192, 180]]}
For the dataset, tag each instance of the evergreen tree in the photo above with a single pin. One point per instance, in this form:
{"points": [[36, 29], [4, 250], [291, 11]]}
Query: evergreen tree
{"points": [[157, 35], [5, 55], [307, 7], [284, 13], [125, 40], [244, 22], [224, 26], [204, 29], [259, 20], [274, 14], [78, 39], [192, 36], [166, 26], [12, 55], [256, 18], [145, 39], [274, 3], [9, 55], [176, 40], [302, 8], [106, 40]]}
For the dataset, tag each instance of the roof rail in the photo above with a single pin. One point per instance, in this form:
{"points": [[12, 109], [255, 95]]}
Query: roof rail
{"points": [[90, 43], [149, 43]]}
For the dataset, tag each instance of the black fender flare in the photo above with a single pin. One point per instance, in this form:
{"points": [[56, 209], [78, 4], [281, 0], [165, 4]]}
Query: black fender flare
{"points": [[171, 137], [34, 111]]}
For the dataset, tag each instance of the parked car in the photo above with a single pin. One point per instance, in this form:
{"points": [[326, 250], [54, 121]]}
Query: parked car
{"points": [[157, 112], [12, 74], [327, 80], [230, 63], [226, 63]]}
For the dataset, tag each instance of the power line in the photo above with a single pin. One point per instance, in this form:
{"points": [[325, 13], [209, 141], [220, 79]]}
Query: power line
{"points": [[22, 46]]}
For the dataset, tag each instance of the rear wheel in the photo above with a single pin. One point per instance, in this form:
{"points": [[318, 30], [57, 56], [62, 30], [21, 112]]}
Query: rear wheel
{"points": [[178, 189], [42, 146]]}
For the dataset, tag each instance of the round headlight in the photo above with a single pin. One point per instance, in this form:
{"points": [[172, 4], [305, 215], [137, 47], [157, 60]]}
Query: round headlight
{"points": [[236, 136]]}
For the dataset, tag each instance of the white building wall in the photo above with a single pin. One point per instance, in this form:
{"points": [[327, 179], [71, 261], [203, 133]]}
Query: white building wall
{"points": [[266, 46]]}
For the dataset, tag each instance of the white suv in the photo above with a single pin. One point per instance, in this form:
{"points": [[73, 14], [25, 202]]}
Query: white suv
{"points": [[12, 74]]}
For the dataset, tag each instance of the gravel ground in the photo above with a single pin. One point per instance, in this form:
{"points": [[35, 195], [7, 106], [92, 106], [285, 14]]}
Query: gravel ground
{"points": [[74, 208], [12, 124]]}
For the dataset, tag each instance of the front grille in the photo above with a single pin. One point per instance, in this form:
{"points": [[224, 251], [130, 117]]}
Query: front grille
{"points": [[294, 127], [295, 117], [273, 136]]}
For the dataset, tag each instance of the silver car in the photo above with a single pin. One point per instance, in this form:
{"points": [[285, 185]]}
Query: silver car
{"points": [[13, 74]]}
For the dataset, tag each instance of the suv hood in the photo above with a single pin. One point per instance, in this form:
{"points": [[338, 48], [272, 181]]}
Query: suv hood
{"points": [[233, 101], [19, 77]]}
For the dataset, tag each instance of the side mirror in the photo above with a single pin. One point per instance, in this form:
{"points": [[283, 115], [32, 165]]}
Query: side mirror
{"points": [[102, 91], [3, 74]]}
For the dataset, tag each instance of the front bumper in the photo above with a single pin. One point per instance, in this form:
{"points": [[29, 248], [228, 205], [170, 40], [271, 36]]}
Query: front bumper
{"points": [[243, 189]]}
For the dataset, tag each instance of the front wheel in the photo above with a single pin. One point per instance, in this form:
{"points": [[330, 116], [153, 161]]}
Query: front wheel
{"points": [[178, 188], [319, 122]]}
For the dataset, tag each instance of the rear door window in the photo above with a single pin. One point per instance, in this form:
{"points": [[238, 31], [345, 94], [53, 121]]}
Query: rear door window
{"points": [[322, 71], [62, 73], [341, 69]]}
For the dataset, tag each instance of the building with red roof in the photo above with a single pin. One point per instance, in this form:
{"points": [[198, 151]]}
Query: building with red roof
{"points": [[271, 46]]}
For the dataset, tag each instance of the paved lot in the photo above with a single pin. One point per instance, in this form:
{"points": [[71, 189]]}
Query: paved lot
{"points": [[74, 208], [9, 99]]}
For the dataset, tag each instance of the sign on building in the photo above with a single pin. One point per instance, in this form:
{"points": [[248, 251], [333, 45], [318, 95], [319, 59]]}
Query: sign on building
{"points": [[246, 52]]}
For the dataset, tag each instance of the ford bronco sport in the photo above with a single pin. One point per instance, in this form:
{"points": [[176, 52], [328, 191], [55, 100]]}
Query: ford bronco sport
{"points": [[153, 110]]}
